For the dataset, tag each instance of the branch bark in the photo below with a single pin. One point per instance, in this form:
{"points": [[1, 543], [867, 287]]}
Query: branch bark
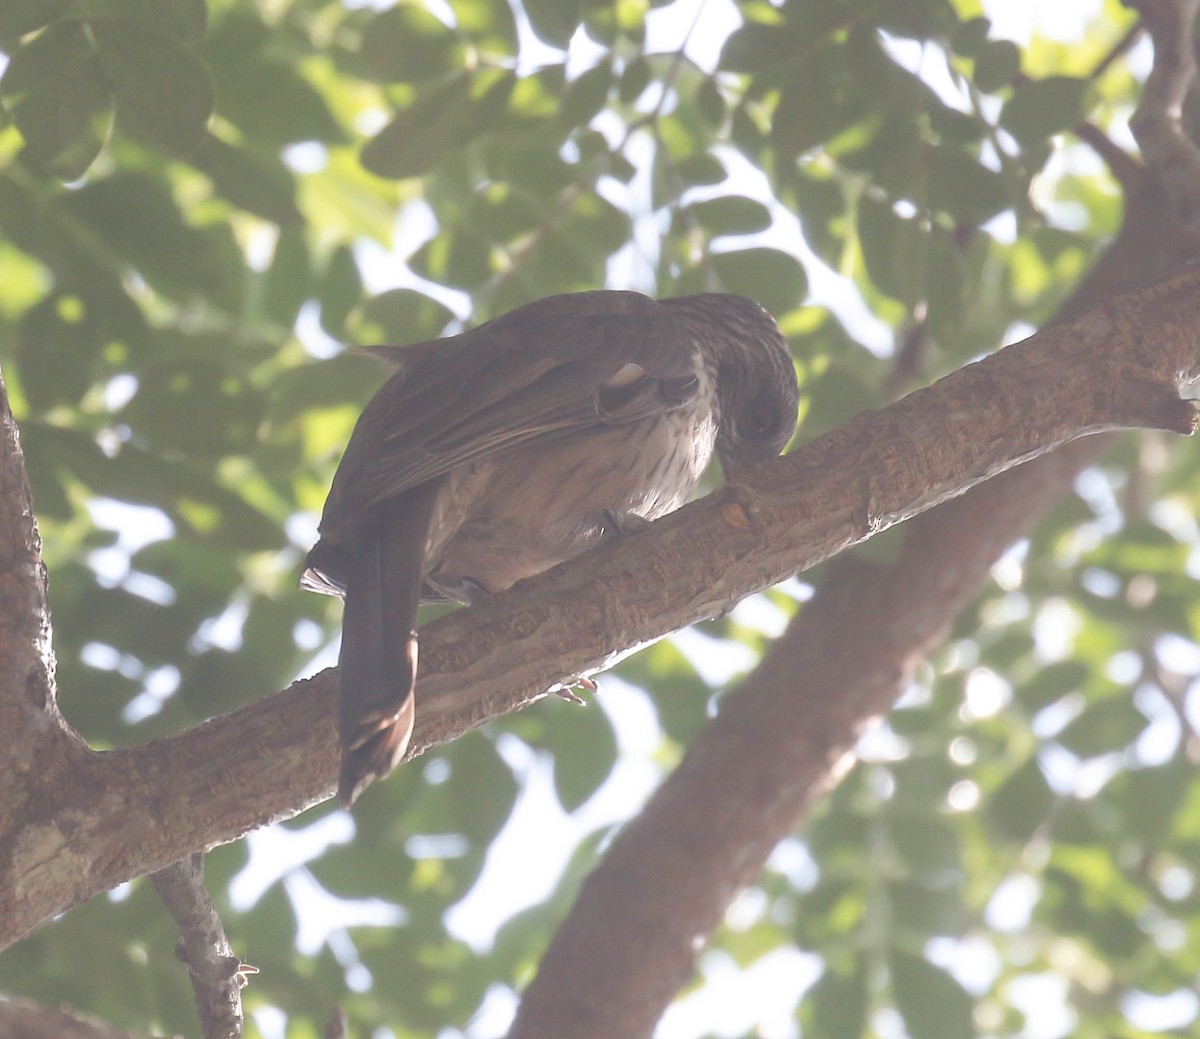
{"points": [[96, 819], [780, 743], [217, 975]]}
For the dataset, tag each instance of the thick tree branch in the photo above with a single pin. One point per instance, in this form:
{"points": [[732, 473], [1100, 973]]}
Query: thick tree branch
{"points": [[781, 741], [27, 703], [123, 813], [1157, 123]]}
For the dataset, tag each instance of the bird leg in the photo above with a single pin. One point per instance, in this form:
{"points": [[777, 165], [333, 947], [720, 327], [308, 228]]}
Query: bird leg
{"points": [[624, 522]]}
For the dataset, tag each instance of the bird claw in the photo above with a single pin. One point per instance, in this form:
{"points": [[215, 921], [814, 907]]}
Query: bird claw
{"points": [[624, 522], [475, 592], [465, 592], [566, 689]]}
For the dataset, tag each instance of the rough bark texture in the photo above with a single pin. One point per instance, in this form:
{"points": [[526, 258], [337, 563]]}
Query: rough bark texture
{"points": [[781, 740], [217, 976], [82, 822]]}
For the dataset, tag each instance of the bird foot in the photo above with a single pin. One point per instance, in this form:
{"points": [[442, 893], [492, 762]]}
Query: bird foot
{"points": [[566, 689], [624, 522], [465, 592]]}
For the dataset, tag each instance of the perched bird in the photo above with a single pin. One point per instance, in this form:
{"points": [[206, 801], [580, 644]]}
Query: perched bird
{"points": [[496, 454]]}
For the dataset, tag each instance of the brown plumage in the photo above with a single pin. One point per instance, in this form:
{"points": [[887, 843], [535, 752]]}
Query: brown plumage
{"points": [[496, 454]]}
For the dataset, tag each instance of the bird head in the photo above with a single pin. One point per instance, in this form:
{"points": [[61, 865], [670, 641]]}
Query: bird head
{"points": [[757, 393]]}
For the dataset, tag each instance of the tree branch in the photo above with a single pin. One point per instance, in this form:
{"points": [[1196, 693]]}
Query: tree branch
{"points": [[1157, 125], [107, 817], [779, 742], [27, 703], [217, 975]]}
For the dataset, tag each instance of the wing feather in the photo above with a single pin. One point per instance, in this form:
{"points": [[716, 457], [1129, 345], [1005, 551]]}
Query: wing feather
{"points": [[539, 372]]}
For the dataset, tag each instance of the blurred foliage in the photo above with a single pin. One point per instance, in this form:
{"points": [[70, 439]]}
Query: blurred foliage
{"points": [[199, 202]]}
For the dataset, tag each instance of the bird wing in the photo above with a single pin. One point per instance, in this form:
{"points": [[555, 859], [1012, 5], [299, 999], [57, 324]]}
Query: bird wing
{"points": [[561, 367]]}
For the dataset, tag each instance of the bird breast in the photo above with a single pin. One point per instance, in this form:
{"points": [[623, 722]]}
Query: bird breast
{"points": [[521, 511]]}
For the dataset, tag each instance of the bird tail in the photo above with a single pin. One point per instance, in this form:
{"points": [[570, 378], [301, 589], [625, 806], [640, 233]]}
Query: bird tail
{"points": [[378, 659]]}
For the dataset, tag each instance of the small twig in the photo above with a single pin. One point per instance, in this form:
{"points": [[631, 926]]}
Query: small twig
{"points": [[909, 361], [1118, 50], [335, 1027], [217, 975], [1157, 124], [1125, 168]]}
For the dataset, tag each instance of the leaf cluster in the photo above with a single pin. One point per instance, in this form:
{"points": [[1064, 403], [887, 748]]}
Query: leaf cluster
{"points": [[201, 203]]}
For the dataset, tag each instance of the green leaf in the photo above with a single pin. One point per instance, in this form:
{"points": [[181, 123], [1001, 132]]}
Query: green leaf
{"points": [[1044, 107], [18, 17], [289, 279], [340, 291], [1152, 798], [838, 1003], [773, 278], [1110, 725], [961, 186], [405, 316], [262, 186], [163, 91], [59, 99], [437, 122], [184, 20], [918, 19], [1020, 804], [731, 215], [554, 21], [140, 221], [1051, 683], [490, 26], [970, 37], [997, 64], [815, 104], [758, 47], [460, 258], [584, 751], [928, 845], [585, 95], [945, 288], [349, 379], [634, 81], [701, 170], [195, 408], [57, 342], [407, 44], [933, 1004], [892, 248], [923, 910], [240, 54]]}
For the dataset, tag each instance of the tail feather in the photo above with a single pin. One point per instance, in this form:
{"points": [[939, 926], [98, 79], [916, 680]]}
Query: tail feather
{"points": [[378, 660]]}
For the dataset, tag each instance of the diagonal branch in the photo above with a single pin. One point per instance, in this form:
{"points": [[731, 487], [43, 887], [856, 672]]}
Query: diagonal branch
{"points": [[28, 703], [136, 811], [781, 741], [785, 736], [1157, 123]]}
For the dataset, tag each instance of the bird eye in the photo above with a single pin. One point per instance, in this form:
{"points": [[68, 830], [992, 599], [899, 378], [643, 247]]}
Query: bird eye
{"points": [[758, 420]]}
